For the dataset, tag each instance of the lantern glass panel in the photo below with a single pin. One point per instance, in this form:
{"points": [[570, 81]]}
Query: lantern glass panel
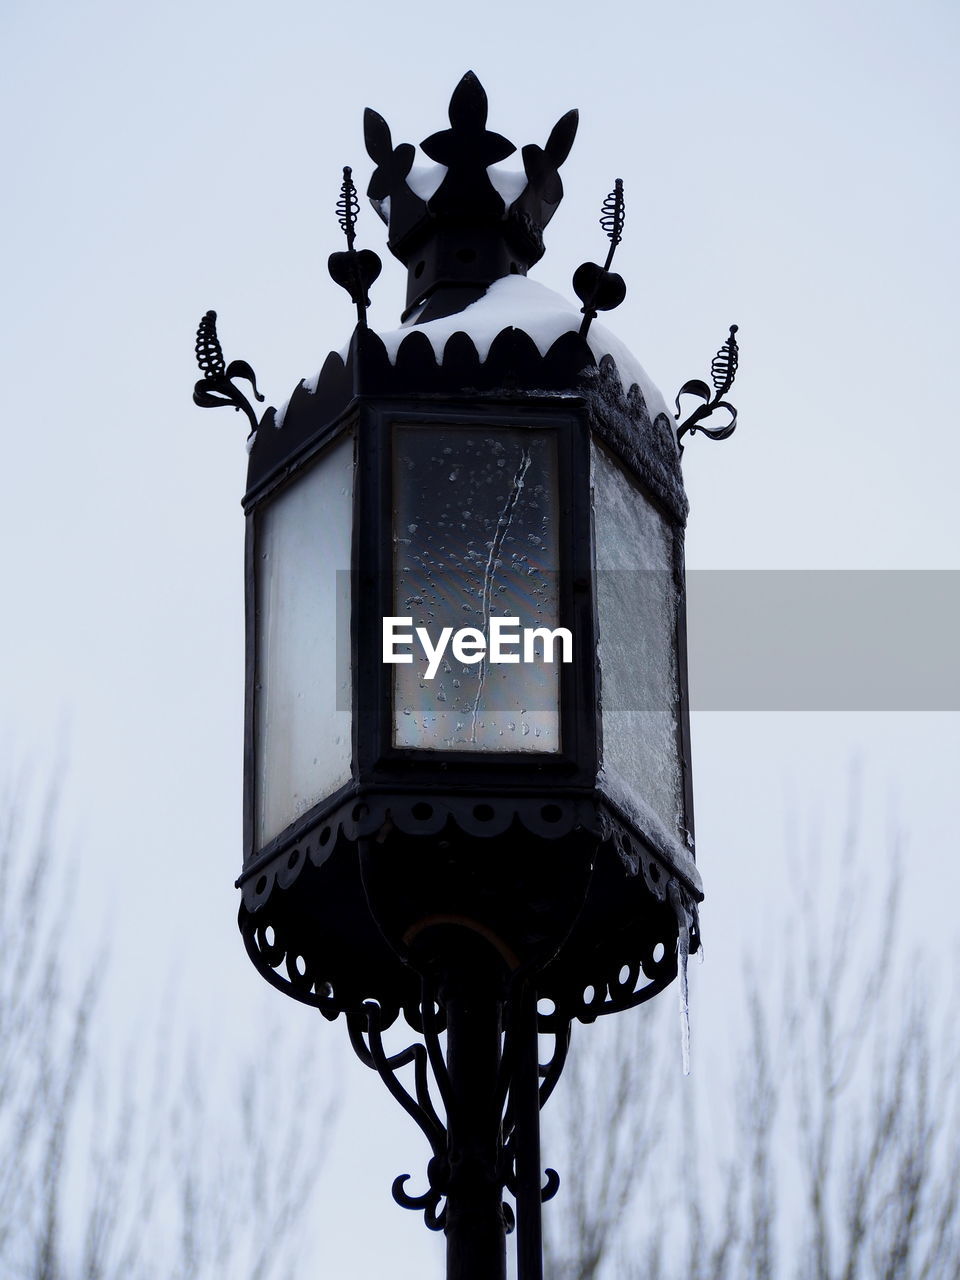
{"points": [[475, 539], [303, 683], [637, 613]]}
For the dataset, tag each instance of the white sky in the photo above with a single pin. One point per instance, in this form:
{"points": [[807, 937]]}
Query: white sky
{"points": [[788, 168]]}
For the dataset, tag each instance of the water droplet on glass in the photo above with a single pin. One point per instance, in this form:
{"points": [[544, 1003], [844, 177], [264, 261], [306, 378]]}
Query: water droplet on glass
{"points": [[407, 711]]}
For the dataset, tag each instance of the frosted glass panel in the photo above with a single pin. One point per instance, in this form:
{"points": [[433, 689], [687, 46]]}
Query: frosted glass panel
{"points": [[303, 741], [475, 538], [637, 614]]}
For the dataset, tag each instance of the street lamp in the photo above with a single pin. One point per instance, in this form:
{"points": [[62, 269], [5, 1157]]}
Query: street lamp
{"points": [[467, 782]]}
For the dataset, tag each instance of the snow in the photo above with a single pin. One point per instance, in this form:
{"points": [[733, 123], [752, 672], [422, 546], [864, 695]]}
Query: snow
{"points": [[308, 384], [508, 182], [640, 815], [424, 179], [282, 411], [517, 302]]}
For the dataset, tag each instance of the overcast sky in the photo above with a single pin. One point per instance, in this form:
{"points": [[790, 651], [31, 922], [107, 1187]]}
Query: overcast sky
{"points": [[788, 168]]}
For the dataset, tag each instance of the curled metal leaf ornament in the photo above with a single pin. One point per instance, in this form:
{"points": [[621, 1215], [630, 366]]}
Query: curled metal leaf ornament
{"points": [[216, 387], [723, 370]]}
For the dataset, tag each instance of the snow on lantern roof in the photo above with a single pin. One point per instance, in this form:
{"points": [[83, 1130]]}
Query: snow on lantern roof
{"points": [[468, 228], [519, 340], [516, 302]]}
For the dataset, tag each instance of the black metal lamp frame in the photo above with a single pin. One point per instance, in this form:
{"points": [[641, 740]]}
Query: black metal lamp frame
{"points": [[376, 755], [468, 886], [491, 898]]}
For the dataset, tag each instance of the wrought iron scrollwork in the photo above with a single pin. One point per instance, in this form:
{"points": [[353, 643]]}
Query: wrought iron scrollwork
{"points": [[215, 388], [430, 1073], [551, 1071], [549, 1075], [366, 1036], [599, 288], [723, 370]]}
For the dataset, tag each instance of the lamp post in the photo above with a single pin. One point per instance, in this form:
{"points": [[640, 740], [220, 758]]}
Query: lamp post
{"points": [[467, 781]]}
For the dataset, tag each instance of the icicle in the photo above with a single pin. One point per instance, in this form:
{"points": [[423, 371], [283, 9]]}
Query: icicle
{"points": [[684, 922]]}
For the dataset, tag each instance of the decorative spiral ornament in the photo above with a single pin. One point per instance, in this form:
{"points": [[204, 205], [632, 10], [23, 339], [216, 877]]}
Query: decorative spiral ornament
{"points": [[599, 288], [208, 349], [613, 214], [216, 388], [348, 206], [723, 368]]}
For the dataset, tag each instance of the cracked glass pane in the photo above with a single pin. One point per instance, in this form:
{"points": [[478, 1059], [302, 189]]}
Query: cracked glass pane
{"points": [[475, 541]]}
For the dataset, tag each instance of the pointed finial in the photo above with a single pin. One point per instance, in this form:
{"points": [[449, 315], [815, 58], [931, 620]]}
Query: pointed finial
{"points": [[354, 270], [599, 288], [473, 226]]}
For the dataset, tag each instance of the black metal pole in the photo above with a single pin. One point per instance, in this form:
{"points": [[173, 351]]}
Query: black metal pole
{"points": [[476, 1246], [526, 1108]]}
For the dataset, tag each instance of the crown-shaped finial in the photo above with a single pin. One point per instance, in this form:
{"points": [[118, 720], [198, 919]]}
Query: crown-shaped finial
{"points": [[470, 229]]}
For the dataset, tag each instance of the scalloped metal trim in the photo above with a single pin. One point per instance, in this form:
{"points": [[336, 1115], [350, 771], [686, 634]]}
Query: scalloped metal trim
{"points": [[545, 816], [513, 367], [293, 974]]}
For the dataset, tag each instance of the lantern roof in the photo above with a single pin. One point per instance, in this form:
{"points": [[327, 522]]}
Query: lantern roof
{"points": [[467, 230], [519, 343]]}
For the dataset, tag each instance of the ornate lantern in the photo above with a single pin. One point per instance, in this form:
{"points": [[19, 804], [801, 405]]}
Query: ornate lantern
{"points": [[467, 781]]}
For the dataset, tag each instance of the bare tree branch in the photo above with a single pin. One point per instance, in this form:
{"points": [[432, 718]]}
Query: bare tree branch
{"points": [[847, 1103], [201, 1175]]}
